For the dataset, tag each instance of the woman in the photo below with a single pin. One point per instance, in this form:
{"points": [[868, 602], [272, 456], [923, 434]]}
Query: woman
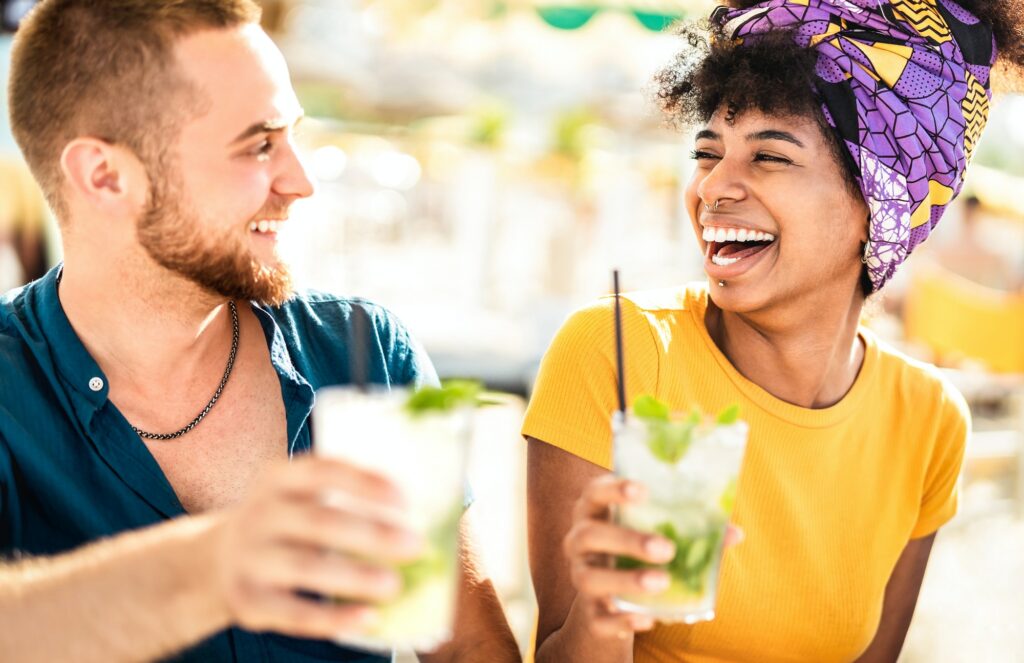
{"points": [[834, 134]]}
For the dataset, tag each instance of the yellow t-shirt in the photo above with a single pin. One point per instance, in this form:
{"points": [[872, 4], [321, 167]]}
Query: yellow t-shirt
{"points": [[827, 498]]}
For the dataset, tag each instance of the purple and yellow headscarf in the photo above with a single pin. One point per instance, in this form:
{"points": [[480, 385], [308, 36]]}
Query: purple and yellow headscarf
{"points": [[905, 83]]}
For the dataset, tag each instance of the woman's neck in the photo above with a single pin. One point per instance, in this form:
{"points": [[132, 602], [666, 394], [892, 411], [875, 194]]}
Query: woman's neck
{"points": [[806, 355]]}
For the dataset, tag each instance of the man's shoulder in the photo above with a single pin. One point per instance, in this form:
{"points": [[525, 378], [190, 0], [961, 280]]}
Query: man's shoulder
{"points": [[321, 313], [322, 331], [13, 323], [10, 303], [19, 347]]}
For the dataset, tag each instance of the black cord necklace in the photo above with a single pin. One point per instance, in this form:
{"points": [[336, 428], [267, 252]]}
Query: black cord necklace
{"points": [[216, 395]]}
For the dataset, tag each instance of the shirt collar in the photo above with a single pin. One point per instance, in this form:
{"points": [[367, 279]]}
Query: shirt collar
{"points": [[72, 360], [88, 384], [296, 391]]}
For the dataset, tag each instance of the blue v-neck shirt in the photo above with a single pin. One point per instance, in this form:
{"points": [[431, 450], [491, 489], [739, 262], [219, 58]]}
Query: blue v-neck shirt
{"points": [[72, 470]]}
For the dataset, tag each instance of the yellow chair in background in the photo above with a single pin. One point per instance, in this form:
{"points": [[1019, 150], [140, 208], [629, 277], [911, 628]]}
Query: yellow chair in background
{"points": [[958, 319]]}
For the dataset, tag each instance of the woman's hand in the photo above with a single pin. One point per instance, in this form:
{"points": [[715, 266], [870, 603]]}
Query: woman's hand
{"points": [[590, 544], [592, 541]]}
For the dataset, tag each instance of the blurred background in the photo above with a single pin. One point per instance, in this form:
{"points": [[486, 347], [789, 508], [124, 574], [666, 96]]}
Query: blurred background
{"points": [[483, 164]]}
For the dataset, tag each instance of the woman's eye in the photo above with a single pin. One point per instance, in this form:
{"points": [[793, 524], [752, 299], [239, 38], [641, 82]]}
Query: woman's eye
{"points": [[770, 158], [701, 154]]}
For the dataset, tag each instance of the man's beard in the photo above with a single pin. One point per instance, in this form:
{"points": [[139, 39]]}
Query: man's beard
{"points": [[220, 265]]}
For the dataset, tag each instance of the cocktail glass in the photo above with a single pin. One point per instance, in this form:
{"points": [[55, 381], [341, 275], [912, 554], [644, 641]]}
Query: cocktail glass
{"points": [[691, 488], [424, 455]]}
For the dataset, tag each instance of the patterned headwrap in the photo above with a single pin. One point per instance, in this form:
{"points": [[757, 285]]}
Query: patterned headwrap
{"points": [[905, 84]]}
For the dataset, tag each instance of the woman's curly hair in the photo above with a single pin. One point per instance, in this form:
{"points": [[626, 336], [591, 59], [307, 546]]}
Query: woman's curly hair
{"points": [[776, 76]]}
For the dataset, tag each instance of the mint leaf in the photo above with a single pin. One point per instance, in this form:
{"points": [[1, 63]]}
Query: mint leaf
{"points": [[649, 407], [728, 498], [669, 441], [697, 554], [449, 396], [630, 563], [729, 415]]}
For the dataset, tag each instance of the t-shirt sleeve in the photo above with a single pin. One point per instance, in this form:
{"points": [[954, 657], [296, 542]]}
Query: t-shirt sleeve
{"points": [[575, 392], [941, 489]]}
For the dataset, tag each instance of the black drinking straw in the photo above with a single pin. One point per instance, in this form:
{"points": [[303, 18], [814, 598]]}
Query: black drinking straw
{"points": [[618, 345], [357, 351]]}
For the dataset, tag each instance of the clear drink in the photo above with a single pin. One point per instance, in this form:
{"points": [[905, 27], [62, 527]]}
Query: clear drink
{"points": [[691, 481], [424, 455]]}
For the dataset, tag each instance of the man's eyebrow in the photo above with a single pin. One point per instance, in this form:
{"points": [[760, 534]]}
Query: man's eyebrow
{"points": [[266, 127], [774, 134]]}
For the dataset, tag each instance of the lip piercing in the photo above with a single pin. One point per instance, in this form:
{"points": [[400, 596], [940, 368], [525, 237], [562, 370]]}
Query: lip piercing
{"points": [[721, 284]]}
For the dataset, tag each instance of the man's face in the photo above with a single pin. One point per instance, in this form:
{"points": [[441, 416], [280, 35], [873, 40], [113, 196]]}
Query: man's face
{"points": [[232, 173]]}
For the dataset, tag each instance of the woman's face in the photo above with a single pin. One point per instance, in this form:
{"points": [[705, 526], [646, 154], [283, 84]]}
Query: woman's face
{"points": [[786, 221]]}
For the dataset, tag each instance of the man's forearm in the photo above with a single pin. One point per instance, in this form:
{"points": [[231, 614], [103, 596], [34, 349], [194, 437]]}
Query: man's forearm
{"points": [[481, 629], [138, 596], [487, 639]]}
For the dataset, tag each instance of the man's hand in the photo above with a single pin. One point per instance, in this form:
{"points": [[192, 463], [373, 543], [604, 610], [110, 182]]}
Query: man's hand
{"points": [[311, 526]]}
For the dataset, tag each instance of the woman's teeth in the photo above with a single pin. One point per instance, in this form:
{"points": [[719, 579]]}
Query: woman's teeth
{"points": [[263, 226], [712, 234]]}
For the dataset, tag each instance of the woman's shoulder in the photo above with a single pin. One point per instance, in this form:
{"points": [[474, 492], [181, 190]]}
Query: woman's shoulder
{"points": [[689, 297], [918, 384], [651, 304], [650, 319]]}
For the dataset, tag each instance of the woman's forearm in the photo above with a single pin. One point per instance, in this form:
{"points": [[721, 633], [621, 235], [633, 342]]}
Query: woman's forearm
{"points": [[575, 643]]}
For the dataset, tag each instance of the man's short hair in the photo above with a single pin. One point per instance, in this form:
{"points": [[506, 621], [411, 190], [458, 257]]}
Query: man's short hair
{"points": [[106, 69]]}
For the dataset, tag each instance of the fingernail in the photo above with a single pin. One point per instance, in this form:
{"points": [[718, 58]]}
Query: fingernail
{"points": [[414, 541], [642, 623], [364, 619], [655, 582], [369, 617], [660, 548], [390, 583]]}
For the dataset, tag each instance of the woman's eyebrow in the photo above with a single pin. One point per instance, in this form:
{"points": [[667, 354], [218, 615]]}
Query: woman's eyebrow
{"points": [[774, 134]]}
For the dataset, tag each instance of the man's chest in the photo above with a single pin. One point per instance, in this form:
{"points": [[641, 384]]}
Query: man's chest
{"points": [[214, 465]]}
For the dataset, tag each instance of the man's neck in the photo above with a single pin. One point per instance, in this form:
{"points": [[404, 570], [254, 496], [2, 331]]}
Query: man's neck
{"points": [[805, 353], [146, 327]]}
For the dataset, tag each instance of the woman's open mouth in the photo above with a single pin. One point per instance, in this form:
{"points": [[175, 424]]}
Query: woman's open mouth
{"points": [[732, 249]]}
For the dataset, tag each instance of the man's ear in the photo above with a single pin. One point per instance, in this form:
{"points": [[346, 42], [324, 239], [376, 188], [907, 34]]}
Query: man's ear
{"points": [[107, 176]]}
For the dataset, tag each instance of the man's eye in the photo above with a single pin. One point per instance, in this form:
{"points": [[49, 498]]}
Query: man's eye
{"points": [[263, 149], [701, 154]]}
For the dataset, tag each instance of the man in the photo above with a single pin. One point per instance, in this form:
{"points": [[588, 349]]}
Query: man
{"points": [[161, 132]]}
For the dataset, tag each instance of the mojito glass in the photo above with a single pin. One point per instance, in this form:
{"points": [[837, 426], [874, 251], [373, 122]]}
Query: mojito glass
{"points": [[424, 455], [690, 468]]}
